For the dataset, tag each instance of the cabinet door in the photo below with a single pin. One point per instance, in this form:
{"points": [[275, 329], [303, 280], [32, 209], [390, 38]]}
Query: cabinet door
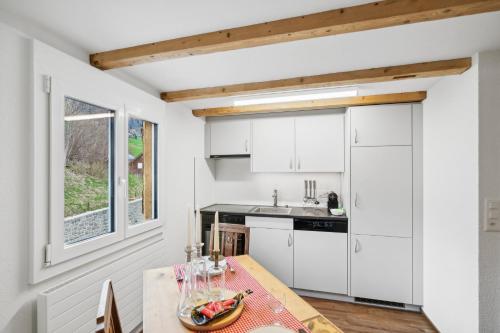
{"points": [[319, 141], [381, 125], [381, 191], [381, 268], [273, 147], [320, 261], [230, 137], [273, 249]]}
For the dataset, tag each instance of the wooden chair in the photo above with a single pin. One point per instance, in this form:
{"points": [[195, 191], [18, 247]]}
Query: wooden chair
{"points": [[229, 238], [107, 319]]}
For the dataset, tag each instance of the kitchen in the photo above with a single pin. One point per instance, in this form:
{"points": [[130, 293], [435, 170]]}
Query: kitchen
{"points": [[345, 152], [375, 151]]}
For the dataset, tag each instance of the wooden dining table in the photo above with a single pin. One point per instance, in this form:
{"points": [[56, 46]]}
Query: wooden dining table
{"points": [[161, 296]]}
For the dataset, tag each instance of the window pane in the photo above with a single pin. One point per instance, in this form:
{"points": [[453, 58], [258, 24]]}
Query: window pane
{"points": [[142, 171], [89, 168]]}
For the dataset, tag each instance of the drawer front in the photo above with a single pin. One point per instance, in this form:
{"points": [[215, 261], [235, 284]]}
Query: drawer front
{"points": [[269, 222]]}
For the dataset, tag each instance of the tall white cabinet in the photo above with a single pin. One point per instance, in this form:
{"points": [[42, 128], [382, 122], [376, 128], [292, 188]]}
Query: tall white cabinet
{"points": [[382, 163]]}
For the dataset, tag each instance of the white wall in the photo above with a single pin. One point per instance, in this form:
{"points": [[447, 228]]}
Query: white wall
{"points": [[181, 139], [489, 187], [16, 297], [234, 183], [450, 154], [184, 143]]}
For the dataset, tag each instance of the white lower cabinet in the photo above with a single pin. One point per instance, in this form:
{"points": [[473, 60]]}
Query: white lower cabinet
{"points": [[273, 248], [381, 268], [320, 261]]}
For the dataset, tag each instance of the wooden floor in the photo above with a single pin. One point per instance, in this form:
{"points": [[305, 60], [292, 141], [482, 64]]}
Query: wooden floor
{"points": [[357, 318]]}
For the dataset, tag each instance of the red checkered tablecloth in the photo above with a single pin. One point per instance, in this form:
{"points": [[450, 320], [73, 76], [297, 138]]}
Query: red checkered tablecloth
{"points": [[257, 312]]}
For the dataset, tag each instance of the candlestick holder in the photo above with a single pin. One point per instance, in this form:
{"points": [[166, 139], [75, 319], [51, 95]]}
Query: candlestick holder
{"points": [[199, 247], [216, 280], [186, 300]]}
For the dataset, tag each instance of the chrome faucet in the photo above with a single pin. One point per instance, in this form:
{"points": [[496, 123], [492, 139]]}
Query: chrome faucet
{"points": [[275, 198]]}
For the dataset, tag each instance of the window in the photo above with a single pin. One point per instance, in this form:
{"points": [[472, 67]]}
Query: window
{"points": [[88, 171], [142, 171], [78, 197]]}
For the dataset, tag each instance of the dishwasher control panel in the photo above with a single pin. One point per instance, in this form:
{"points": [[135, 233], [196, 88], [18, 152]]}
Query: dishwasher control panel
{"points": [[319, 225]]}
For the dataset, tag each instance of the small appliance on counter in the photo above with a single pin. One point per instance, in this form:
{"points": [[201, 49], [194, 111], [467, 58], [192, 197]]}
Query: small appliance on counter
{"points": [[333, 200], [333, 205]]}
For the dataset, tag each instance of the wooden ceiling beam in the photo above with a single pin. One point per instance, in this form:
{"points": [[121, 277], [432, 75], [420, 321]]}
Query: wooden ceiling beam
{"points": [[407, 97], [372, 75], [369, 16]]}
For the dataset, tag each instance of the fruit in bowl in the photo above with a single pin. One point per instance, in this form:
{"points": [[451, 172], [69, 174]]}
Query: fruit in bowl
{"points": [[205, 313]]}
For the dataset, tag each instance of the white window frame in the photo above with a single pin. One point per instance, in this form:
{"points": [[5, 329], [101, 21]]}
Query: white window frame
{"points": [[60, 251], [48, 256], [138, 113]]}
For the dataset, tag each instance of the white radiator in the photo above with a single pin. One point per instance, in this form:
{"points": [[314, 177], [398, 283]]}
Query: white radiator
{"points": [[72, 307]]}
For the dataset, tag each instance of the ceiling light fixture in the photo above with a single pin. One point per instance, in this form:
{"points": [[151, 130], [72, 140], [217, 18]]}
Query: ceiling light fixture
{"points": [[296, 98]]}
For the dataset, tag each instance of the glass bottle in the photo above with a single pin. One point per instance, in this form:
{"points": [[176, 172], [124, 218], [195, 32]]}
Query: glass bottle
{"points": [[186, 301], [199, 276], [216, 280]]}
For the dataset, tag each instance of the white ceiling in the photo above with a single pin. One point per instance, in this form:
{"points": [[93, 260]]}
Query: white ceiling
{"points": [[99, 25]]}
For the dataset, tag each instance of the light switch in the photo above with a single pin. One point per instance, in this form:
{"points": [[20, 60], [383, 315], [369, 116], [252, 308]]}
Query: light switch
{"points": [[492, 215]]}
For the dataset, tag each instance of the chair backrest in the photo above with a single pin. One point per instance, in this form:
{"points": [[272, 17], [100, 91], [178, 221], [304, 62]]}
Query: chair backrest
{"points": [[107, 319], [229, 238]]}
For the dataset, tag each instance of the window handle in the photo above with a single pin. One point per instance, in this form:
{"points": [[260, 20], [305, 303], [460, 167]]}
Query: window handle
{"points": [[356, 247], [122, 180], [298, 163], [355, 135], [291, 163], [246, 146], [290, 240], [356, 200]]}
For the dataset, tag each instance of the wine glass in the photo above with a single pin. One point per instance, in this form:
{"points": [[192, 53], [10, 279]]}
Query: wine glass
{"points": [[276, 302]]}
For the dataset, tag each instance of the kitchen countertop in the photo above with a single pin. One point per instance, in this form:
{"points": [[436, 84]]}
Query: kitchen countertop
{"points": [[319, 213]]}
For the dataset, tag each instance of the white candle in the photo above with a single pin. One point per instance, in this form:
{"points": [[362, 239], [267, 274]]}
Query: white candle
{"points": [[216, 232], [197, 227], [190, 211]]}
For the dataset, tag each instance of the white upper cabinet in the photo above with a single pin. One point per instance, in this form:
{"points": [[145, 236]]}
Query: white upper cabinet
{"points": [[381, 191], [381, 125], [230, 137], [319, 143], [273, 146]]}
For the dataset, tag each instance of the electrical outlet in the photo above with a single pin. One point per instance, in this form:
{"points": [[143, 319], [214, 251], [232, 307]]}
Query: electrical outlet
{"points": [[492, 215]]}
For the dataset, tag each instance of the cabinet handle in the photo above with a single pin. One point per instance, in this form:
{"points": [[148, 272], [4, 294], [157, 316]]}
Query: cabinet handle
{"points": [[298, 163], [356, 200], [356, 247], [355, 136], [290, 240], [291, 163], [246, 146]]}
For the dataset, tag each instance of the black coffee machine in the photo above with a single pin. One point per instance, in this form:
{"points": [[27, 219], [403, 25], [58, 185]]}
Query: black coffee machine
{"points": [[333, 201]]}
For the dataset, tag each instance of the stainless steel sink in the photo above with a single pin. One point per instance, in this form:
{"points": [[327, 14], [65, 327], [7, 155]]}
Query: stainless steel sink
{"points": [[272, 210]]}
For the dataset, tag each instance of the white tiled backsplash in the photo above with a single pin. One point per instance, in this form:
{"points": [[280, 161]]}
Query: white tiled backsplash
{"points": [[234, 183]]}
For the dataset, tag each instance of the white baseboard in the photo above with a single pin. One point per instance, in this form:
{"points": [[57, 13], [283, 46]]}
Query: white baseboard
{"points": [[350, 299]]}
